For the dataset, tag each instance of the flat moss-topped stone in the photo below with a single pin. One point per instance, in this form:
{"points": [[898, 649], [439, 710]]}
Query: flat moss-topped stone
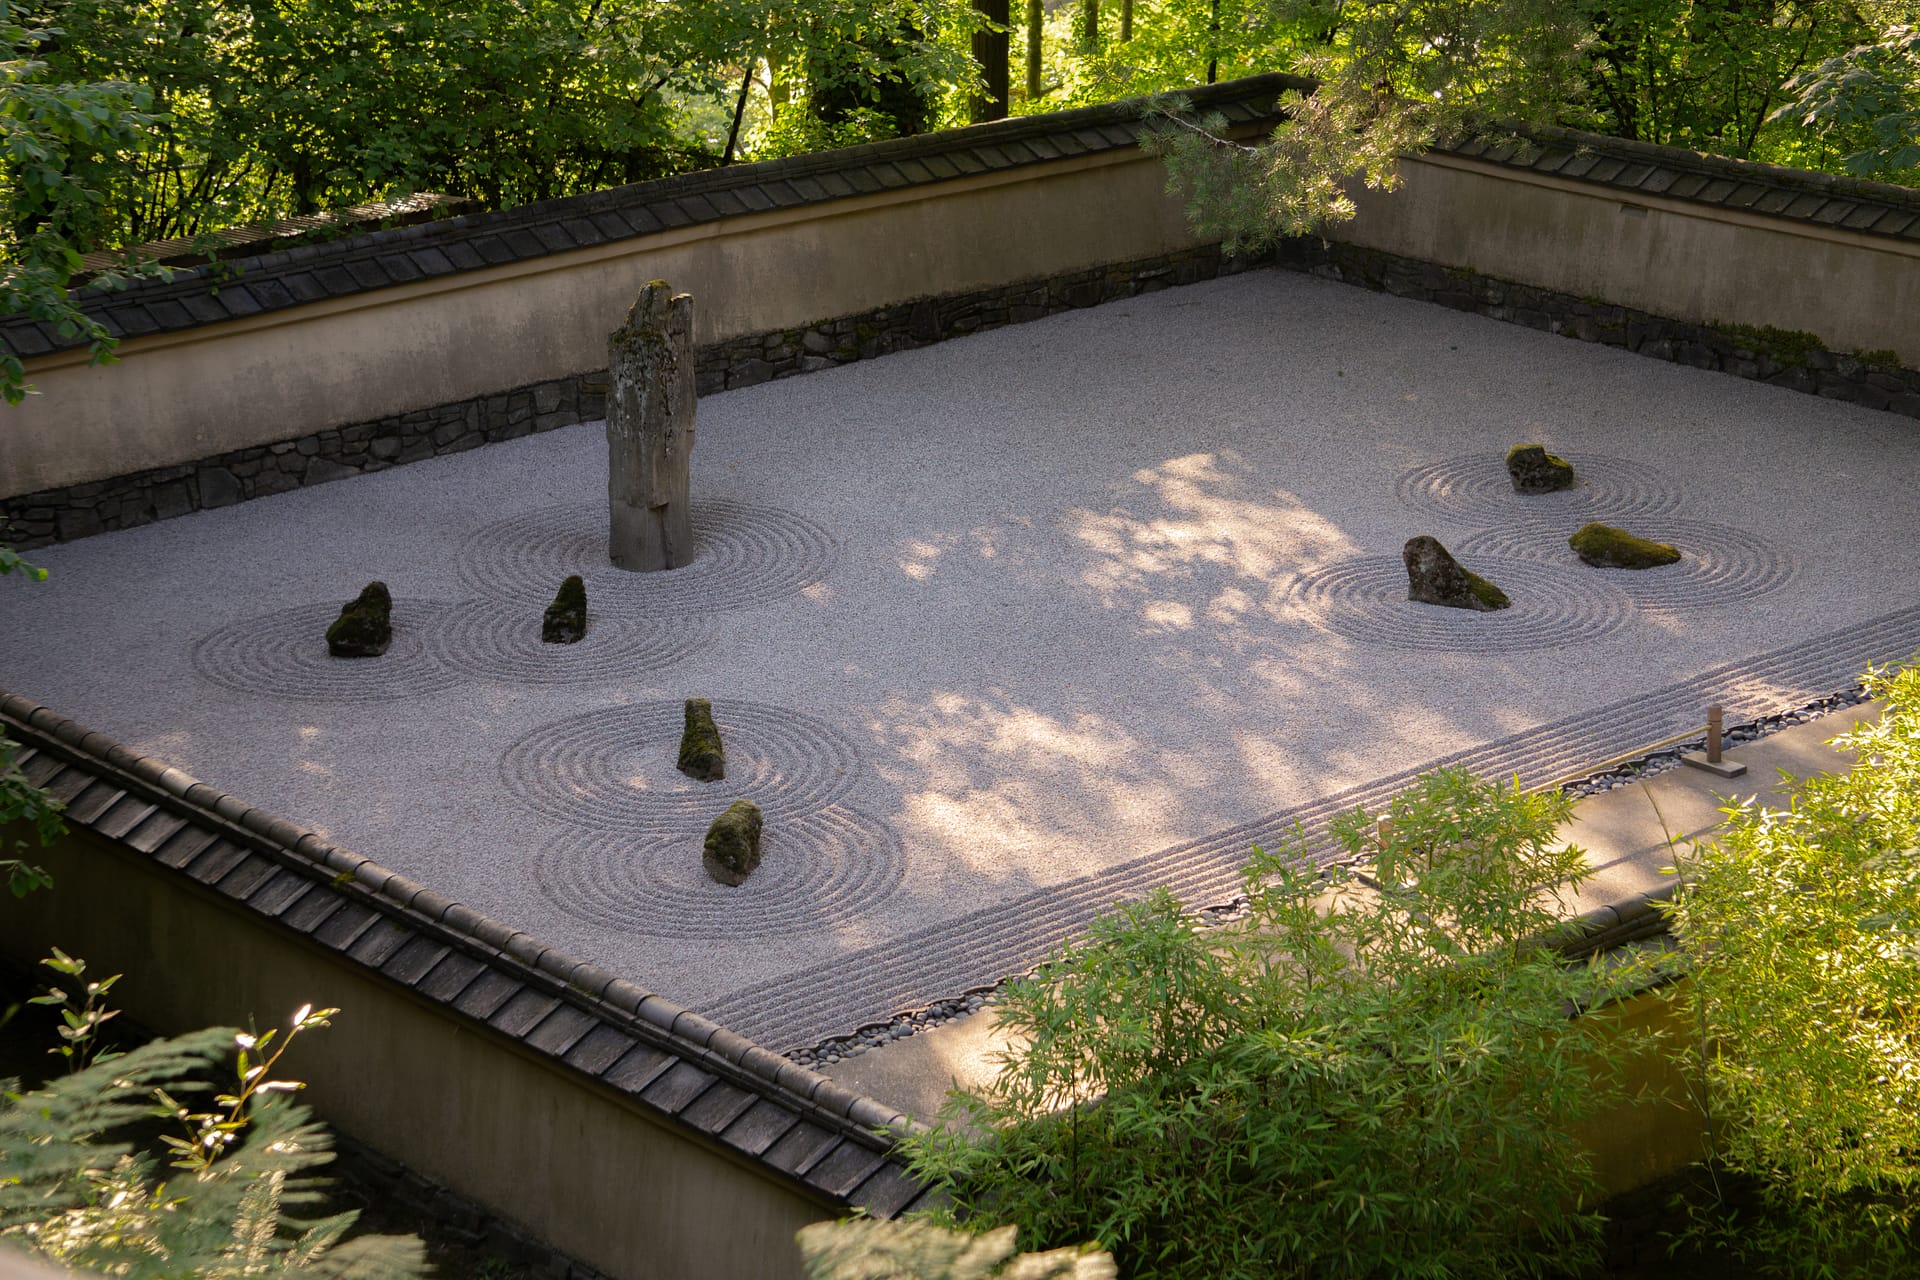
{"points": [[364, 628], [1533, 470], [1435, 577], [1605, 547], [566, 618], [701, 754], [732, 850]]}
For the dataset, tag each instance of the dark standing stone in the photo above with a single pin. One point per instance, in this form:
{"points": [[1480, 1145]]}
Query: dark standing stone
{"points": [[732, 850], [364, 628], [1534, 470], [650, 430], [566, 618], [701, 754], [1435, 577], [1605, 547]]}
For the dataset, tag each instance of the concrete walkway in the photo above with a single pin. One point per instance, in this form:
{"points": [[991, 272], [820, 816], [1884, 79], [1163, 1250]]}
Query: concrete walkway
{"points": [[1625, 832]]}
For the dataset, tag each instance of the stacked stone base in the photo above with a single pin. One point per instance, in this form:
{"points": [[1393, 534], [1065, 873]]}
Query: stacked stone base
{"points": [[1782, 358], [123, 502]]}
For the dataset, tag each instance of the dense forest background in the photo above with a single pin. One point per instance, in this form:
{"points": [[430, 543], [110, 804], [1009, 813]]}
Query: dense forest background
{"points": [[180, 117]]}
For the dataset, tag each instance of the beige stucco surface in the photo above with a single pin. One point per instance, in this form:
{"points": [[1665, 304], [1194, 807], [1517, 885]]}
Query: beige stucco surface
{"points": [[175, 398], [570, 1161], [1682, 261]]}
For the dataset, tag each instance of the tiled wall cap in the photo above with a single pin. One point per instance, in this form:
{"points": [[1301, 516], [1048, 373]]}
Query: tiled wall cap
{"points": [[527, 949], [730, 1045], [691, 1026], [657, 1010], [461, 918], [375, 877], [625, 996], [490, 931], [795, 1078], [591, 979], [232, 808], [431, 904]]}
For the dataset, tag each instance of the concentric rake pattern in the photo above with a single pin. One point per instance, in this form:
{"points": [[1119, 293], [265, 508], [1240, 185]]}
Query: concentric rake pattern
{"points": [[1365, 599], [1719, 564], [612, 769], [744, 556], [495, 641], [818, 870], [1475, 490], [284, 655], [632, 858]]}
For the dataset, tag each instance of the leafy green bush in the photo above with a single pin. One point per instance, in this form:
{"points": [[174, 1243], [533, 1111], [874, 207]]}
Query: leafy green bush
{"points": [[1802, 930], [74, 1189], [863, 1249], [1372, 1075]]}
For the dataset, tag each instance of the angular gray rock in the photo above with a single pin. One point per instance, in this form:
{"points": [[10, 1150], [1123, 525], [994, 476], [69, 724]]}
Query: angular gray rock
{"points": [[1533, 470], [732, 849], [1435, 577], [650, 411]]}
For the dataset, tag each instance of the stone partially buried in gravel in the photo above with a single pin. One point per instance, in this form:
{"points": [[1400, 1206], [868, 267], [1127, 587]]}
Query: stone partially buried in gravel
{"points": [[701, 754], [1435, 577], [1533, 470], [1605, 547], [566, 618], [732, 850], [364, 628]]}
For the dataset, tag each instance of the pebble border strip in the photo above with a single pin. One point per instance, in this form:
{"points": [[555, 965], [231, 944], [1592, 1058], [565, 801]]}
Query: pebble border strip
{"points": [[779, 1013], [836, 1049]]}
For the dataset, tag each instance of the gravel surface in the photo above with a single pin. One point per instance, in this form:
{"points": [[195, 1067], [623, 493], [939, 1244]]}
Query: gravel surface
{"points": [[997, 631]]}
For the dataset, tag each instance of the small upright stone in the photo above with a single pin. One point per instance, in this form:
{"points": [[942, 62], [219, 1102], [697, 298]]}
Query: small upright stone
{"points": [[364, 628], [566, 618], [1533, 470], [701, 754], [732, 850], [1435, 577], [1605, 547]]}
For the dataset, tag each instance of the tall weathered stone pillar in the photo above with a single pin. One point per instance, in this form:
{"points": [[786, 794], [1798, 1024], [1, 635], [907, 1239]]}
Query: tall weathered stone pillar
{"points": [[650, 432]]}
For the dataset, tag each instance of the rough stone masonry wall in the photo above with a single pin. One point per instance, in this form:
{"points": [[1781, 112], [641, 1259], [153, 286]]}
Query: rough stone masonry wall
{"points": [[1781, 357], [75, 511]]}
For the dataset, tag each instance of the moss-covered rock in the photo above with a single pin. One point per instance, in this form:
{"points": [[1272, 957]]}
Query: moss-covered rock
{"points": [[1606, 547], [364, 628], [732, 850], [701, 754], [566, 618], [1533, 470], [1435, 577]]}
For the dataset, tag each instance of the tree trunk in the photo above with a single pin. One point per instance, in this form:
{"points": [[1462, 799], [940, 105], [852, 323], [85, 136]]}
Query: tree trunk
{"points": [[1090, 26], [1036, 28], [650, 432], [991, 50]]}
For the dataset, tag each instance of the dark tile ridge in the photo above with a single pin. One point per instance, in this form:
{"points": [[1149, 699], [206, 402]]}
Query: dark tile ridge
{"points": [[1643, 162], [523, 963], [401, 255]]}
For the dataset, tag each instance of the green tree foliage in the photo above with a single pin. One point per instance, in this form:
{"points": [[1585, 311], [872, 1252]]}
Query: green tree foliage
{"points": [[74, 1189], [1802, 931], [1865, 101], [57, 135], [868, 1250], [1371, 1076]]}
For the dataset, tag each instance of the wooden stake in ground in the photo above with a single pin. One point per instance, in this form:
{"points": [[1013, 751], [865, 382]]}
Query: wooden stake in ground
{"points": [[650, 410]]}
